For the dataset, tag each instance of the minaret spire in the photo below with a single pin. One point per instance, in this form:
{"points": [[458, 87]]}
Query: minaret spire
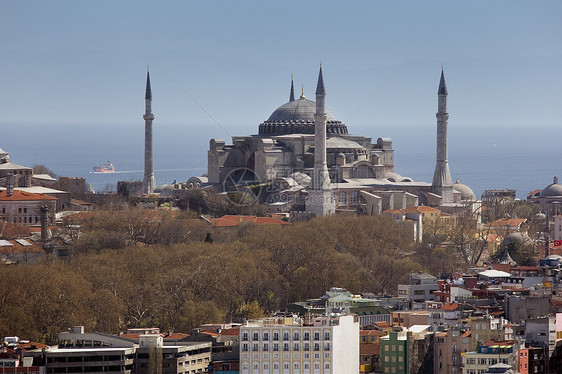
{"points": [[148, 95], [442, 182], [292, 95], [320, 196], [149, 183]]}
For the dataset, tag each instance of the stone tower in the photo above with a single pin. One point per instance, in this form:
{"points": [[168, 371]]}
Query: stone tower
{"points": [[442, 182], [320, 198], [149, 183]]}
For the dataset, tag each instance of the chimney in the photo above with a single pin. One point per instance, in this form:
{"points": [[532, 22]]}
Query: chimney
{"points": [[9, 184], [44, 221]]}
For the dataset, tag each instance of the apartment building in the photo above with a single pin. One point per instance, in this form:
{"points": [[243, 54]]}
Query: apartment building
{"points": [[324, 345]]}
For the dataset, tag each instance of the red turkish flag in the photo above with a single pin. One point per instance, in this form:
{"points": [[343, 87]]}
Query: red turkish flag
{"points": [[557, 243]]}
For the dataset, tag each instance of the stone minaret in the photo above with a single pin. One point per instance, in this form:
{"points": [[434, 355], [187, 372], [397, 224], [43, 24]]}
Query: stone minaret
{"points": [[320, 197], [149, 183], [442, 182]]}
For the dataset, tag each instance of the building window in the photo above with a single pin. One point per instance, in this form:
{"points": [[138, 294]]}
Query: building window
{"points": [[353, 198], [265, 347], [275, 336], [342, 198], [295, 346], [306, 347], [244, 347], [285, 336], [306, 336], [275, 347], [256, 336], [265, 336], [316, 346], [245, 336], [296, 336], [316, 336], [285, 347]]}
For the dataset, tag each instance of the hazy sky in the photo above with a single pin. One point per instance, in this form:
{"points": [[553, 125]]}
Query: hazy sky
{"points": [[84, 62]]}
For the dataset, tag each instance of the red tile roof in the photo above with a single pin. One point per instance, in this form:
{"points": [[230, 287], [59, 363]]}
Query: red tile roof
{"points": [[370, 349], [382, 324], [18, 195], [510, 222], [421, 209], [371, 333], [450, 306], [231, 332], [17, 247], [500, 342]]}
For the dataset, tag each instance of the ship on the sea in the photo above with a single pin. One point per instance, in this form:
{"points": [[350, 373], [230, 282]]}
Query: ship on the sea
{"points": [[105, 168]]}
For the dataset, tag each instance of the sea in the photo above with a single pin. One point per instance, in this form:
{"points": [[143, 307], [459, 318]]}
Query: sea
{"points": [[523, 158]]}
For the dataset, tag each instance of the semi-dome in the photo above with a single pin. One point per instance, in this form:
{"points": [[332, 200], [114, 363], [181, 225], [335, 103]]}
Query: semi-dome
{"points": [[297, 117], [466, 192], [341, 143], [301, 178], [552, 190]]}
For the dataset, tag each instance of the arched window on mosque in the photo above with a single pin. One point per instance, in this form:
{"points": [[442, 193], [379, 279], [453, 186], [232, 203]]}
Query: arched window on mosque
{"points": [[354, 198], [342, 199], [363, 171]]}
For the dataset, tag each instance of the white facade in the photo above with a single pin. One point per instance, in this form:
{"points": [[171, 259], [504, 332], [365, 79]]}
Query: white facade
{"points": [[557, 227], [276, 346]]}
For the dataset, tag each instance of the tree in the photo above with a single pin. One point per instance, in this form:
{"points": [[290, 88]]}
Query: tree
{"points": [[41, 169]]}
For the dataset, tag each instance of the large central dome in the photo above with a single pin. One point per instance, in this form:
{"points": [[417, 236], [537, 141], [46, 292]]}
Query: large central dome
{"points": [[298, 110], [297, 117]]}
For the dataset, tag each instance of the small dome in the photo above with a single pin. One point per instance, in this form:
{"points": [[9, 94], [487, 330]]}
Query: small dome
{"points": [[165, 190], [466, 192], [552, 190], [301, 178], [394, 177], [514, 237], [340, 155]]}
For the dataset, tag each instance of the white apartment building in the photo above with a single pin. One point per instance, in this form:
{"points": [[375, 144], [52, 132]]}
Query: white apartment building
{"points": [[325, 345]]}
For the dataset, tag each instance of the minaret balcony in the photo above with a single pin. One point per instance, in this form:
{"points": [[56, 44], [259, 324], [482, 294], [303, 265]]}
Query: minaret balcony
{"points": [[148, 117]]}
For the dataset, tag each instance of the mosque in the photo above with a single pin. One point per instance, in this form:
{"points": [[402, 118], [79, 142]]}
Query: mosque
{"points": [[304, 159]]}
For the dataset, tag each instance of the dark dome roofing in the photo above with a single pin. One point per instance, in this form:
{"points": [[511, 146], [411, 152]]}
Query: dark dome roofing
{"points": [[552, 190], [297, 117], [298, 110], [514, 237]]}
